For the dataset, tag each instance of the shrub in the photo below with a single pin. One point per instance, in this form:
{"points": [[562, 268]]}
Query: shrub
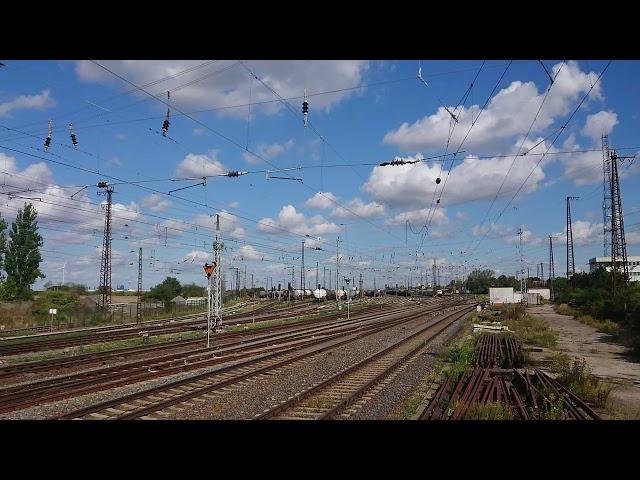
{"points": [[576, 376], [609, 327]]}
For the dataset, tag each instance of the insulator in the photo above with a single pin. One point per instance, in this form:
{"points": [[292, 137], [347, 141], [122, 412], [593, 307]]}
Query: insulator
{"points": [[47, 142], [165, 127], [438, 201], [73, 139], [233, 174], [438, 180]]}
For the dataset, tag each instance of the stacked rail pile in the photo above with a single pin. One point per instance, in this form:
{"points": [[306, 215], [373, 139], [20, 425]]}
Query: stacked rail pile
{"points": [[492, 351], [522, 395]]}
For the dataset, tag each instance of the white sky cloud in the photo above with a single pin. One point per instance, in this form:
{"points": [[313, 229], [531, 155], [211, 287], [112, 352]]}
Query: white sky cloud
{"points": [[27, 102], [291, 220], [321, 200], [509, 113], [356, 208], [267, 151], [156, 203], [194, 165], [226, 82]]}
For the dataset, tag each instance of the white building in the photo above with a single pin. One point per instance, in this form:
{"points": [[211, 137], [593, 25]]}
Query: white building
{"points": [[633, 261], [634, 274], [543, 292], [501, 295]]}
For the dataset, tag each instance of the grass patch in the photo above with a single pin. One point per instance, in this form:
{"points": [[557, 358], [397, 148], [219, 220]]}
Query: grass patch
{"points": [[489, 411], [461, 357], [564, 309], [527, 328], [576, 376], [108, 346]]}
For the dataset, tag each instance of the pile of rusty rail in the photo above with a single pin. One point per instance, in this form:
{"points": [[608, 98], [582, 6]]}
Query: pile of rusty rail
{"points": [[494, 351], [526, 396]]}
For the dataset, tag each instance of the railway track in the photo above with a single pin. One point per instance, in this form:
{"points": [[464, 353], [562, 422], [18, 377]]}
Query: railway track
{"points": [[143, 404], [337, 397], [84, 360], [25, 395], [37, 344]]}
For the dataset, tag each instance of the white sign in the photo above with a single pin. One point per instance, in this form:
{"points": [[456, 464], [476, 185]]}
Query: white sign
{"points": [[53, 311]]}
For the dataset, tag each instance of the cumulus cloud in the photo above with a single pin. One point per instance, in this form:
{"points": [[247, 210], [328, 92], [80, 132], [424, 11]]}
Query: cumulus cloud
{"points": [[267, 151], [226, 82], [583, 233], [413, 185], [194, 165], [27, 102], [248, 252], [321, 200], [356, 208], [289, 220], [599, 124], [156, 203], [509, 113]]}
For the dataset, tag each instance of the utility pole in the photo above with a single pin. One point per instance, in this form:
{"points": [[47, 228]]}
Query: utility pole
{"points": [[606, 193], [551, 267], [105, 266], [618, 241], [435, 274], [252, 289], [217, 292], [522, 279], [302, 285], [337, 272], [361, 293], [571, 265], [139, 303], [330, 275], [317, 286]]}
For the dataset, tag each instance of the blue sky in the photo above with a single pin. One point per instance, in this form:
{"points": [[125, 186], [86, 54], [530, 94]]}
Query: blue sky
{"points": [[360, 112]]}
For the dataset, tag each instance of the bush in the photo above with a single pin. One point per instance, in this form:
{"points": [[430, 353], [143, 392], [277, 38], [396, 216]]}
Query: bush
{"points": [[461, 356], [576, 376], [564, 309], [608, 326], [65, 301]]}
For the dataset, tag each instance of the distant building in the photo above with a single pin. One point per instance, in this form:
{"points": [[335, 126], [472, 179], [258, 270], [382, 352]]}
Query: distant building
{"points": [[179, 300], [196, 300], [605, 262], [634, 274], [543, 292], [501, 295]]}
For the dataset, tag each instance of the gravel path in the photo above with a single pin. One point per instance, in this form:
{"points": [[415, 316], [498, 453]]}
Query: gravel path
{"points": [[383, 403], [606, 359]]}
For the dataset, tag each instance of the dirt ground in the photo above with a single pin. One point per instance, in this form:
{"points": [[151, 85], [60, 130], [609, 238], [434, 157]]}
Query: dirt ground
{"points": [[608, 360]]}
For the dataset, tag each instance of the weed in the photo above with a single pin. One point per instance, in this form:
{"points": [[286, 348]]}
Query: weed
{"points": [[576, 376], [489, 411]]}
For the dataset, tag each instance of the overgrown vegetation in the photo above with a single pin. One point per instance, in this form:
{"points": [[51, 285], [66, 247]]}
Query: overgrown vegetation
{"points": [[460, 354], [603, 326], [489, 411], [592, 296], [576, 376], [528, 329]]}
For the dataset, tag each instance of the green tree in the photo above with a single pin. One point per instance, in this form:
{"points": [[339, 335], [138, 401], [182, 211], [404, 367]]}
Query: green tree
{"points": [[193, 290], [22, 254], [165, 291], [3, 244], [479, 281]]}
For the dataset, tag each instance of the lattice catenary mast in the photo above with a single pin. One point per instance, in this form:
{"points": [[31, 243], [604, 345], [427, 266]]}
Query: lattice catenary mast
{"points": [[105, 266]]}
